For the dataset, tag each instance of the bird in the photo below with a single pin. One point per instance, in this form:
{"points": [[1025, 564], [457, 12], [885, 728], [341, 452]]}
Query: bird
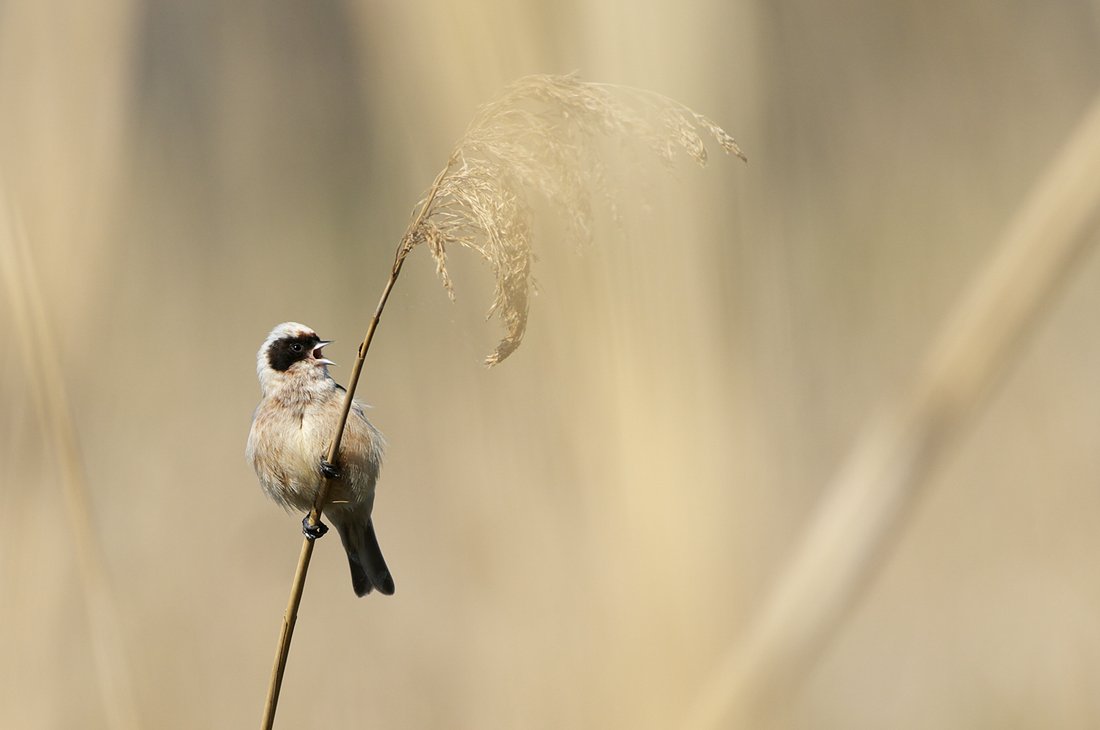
{"points": [[292, 430]]}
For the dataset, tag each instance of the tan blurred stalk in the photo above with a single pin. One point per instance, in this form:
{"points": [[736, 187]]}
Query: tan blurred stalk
{"points": [[872, 496], [65, 72], [51, 401]]}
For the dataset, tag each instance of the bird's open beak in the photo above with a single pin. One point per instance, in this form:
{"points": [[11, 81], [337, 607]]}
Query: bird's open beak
{"points": [[319, 358]]}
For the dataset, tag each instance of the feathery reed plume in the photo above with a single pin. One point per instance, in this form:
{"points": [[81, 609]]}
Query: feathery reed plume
{"points": [[540, 137], [52, 403], [539, 134], [872, 495]]}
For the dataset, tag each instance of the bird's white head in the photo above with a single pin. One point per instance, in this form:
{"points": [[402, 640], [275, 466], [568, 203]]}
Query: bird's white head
{"points": [[291, 355]]}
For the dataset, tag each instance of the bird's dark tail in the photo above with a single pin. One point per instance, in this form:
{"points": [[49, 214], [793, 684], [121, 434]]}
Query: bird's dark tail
{"points": [[368, 567]]}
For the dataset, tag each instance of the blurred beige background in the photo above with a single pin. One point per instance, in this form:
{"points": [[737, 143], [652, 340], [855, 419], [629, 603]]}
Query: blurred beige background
{"points": [[579, 534]]}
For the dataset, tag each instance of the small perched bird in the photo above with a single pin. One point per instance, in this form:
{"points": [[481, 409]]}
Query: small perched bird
{"points": [[292, 430]]}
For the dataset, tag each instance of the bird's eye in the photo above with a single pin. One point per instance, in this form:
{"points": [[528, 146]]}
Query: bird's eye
{"points": [[296, 347]]}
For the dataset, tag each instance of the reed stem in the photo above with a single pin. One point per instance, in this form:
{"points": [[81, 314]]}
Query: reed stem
{"points": [[290, 617]]}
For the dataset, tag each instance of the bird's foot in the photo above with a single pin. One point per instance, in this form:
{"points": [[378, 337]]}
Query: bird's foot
{"points": [[329, 470], [311, 531]]}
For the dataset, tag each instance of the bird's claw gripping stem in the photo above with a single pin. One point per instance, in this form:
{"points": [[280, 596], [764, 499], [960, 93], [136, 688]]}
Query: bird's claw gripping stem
{"points": [[312, 532], [329, 470]]}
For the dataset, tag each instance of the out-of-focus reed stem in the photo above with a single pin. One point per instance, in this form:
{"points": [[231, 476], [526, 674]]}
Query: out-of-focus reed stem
{"points": [[51, 400], [869, 500]]}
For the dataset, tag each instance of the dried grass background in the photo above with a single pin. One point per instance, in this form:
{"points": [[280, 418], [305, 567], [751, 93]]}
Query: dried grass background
{"points": [[580, 533]]}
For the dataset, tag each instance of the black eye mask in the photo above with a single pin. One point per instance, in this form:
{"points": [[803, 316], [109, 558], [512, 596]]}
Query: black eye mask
{"points": [[289, 350]]}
